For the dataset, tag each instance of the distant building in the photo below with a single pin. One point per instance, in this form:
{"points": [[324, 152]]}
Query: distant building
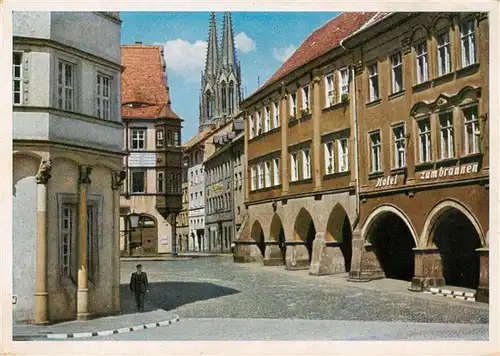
{"points": [[220, 91], [152, 135], [67, 165], [183, 217], [223, 187]]}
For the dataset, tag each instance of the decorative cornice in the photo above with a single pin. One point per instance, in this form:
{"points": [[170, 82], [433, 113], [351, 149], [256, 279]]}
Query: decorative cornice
{"points": [[44, 170], [84, 177], [117, 178]]}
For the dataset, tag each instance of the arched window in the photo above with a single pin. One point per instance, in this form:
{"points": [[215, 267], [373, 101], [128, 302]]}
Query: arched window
{"points": [[209, 103], [224, 96], [231, 97]]}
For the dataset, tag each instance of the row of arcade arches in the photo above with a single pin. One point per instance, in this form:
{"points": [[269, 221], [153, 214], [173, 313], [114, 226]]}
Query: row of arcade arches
{"points": [[449, 227]]}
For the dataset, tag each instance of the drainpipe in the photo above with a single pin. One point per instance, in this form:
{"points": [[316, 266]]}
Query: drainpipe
{"points": [[356, 143]]}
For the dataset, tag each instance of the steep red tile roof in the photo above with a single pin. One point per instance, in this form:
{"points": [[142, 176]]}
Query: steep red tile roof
{"points": [[322, 40], [143, 83]]}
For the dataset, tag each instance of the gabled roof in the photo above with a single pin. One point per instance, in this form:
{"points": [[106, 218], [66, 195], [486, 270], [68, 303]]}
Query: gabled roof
{"points": [[143, 83], [323, 40]]}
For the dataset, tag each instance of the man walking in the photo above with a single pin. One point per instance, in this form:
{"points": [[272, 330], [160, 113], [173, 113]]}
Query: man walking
{"points": [[139, 285]]}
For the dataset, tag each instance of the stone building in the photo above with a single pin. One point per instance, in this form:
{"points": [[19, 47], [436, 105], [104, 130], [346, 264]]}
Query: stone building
{"points": [[152, 136], [422, 80], [183, 217], [383, 169], [221, 179], [220, 91], [67, 165]]}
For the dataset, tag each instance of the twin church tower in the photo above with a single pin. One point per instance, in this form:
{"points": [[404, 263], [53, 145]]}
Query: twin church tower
{"points": [[220, 92]]}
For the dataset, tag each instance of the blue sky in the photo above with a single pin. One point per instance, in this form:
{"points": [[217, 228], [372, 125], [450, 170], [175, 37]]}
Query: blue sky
{"points": [[263, 39]]}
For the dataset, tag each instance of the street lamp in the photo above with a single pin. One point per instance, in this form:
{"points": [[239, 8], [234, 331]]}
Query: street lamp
{"points": [[133, 220]]}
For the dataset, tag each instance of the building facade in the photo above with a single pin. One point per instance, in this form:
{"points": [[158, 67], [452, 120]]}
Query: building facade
{"points": [[220, 192], [372, 155], [67, 165], [152, 137], [183, 217], [220, 91]]}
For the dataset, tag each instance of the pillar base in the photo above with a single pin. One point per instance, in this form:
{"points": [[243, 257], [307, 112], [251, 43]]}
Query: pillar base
{"points": [[483, 295], [327, 258], [246, 252], [41, 303], [273, 255], [365, 265], [428, 269], [419, 284], [82, 296], [296, 257]]}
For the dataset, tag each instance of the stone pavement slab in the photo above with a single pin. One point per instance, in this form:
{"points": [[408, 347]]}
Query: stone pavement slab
{"points": [[95, 325]]}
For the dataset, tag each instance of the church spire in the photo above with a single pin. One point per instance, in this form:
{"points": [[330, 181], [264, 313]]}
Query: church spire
{"points": [[227, 52], [212, 50]]}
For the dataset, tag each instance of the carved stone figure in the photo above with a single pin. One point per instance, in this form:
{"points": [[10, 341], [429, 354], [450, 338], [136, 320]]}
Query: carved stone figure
{"points": [[43, 174]]}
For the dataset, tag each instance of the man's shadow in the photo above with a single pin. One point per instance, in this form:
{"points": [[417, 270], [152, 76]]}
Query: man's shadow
{"points": [[171, 295]]}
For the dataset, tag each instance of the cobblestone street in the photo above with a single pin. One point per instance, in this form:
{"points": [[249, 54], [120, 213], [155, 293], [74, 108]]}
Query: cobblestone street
{"points": [[215, 288]]}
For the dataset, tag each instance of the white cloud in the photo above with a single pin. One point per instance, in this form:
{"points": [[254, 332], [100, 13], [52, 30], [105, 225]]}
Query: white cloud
{"points": [[185, 58], [244, 43], [282, 54]]}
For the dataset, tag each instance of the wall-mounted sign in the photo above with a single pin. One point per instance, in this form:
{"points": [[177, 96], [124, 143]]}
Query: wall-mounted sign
{"points": [[383, 182], [217, 187], [449, 171]]}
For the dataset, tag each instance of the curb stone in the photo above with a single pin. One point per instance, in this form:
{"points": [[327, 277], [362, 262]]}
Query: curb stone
{"points": [[99, 333]]}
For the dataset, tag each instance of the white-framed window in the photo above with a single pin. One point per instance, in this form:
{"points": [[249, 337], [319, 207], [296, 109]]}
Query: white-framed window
{"points": [[306, 164], [260, 176], [267, 173], [446, 128], [17, 77], [376, 152], [295, 166], [276, 171], [160, 140], [267, 119], [329, 157], [276, 111], [103, 97], [397, 72], [373, 79], [422, 62], [305, 98], [344, 81], [65, 86], [138, 138], [444, 53], [343, 153], [424, 142], [177, 140], [160, 182], [137, 181], [472, 132], [399, 146], [468, 43], [252, 126], [329, 90], [259, 123], [67, 234], [293, 104]]}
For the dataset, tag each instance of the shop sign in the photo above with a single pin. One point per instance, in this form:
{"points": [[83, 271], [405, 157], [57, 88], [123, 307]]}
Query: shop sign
{"points": [[217, 187], [449, 171], [389, 181]]}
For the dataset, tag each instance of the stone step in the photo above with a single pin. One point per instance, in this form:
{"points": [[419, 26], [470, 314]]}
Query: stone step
{"points": [[452, 293]]}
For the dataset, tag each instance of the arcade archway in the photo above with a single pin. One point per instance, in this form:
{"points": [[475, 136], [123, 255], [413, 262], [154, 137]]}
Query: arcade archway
{"points": [[305, 230], [339, 229]]}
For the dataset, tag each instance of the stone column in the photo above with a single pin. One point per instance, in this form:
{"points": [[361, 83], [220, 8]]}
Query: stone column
{"points": [[327, 258], [82, 312], [365, 265], [297, 256], [483, 291], [316, 141], [284, 145], [273, 255], [117, 178], [174, 234], [428, 269], [41, 293]]}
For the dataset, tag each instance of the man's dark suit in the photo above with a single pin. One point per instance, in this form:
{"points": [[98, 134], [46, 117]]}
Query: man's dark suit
{"points": [[139, 284]]}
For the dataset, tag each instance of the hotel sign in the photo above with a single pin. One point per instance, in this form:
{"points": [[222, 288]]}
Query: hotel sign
{"points": [[389, 181], [449, 171]]}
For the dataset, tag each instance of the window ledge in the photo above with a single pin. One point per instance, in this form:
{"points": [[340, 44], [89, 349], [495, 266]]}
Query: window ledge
{"points": [[266, 189], [373, 103], [305, 117], [422, 86], [375, 175], [424, 165], [470, 69], [264, 134], [447, 161], [443, 79], [396, 95], [340, 104], [399, 170], [336, 175], [293, 122], [301, 181], [471, 157]]}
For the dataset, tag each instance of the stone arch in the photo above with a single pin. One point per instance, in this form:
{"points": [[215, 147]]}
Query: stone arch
{"points": [[392, 239], [435, 213], [305, 230], [22, 171], [440, 22], [420, 108], [418, 33], [77, 158], [257, 234], [339, 229], [145, 236], [388, 208], [277, 233], [469, 92]]}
